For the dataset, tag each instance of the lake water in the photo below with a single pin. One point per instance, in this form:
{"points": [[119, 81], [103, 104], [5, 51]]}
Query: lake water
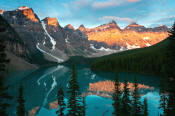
{"points": [[41, 86]]}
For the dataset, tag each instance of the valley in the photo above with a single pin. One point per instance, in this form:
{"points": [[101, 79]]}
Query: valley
{"points": [[53, 63]]}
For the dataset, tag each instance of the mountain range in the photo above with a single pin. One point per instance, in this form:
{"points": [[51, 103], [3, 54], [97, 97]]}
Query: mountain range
{"points": [[39, 42]]}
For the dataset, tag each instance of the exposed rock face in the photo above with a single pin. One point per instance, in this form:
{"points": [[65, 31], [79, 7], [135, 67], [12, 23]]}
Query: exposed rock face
{"points": [[16, 49], [82, 28], [21, 16], [51, 21], [29, 29], [48, 38], [135, 27], [28, 12], [162, 28], [69, 26], [133, 36], [1, 11]]}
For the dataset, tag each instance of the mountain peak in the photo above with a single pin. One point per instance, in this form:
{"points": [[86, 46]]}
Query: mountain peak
{"points": [[51, 21], [162, 26], [69, 26], [135, 25], [81, 27], [1, 11], [112, 22], [23, 8], [28, 12]]}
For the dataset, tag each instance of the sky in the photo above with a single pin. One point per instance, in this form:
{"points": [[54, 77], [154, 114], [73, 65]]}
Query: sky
{"points": [[92, 13]]}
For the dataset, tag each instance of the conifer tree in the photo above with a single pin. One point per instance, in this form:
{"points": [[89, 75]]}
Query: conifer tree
{"points": [[171, 99], [126, 102], [172, 31], [163, 95], [21, 103], [117, 97], [170, 66], [136, 104], [83, 107], [145, 107], [73, 102], [4, 96], [61, 103]]}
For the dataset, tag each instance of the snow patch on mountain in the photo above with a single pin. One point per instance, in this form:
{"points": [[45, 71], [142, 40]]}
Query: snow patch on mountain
{"points": [[1, 12], [132, 46], [102, 48], [122, 48], [146, 38], [58, 59], [147, 44], [51, 39], [44, 42], [23, 8], [66, 40]]}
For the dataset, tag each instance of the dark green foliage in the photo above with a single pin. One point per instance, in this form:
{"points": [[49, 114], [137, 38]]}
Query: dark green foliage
{"points": [[150, 60], [82, 106], [117, 97], [73, 103], [172, 31], [3, 98], [169, 66], [21, 103], [136, 104], [61, 103], [145, 107], [163, 95], [3, 59], [126, 102], [171, 98]]}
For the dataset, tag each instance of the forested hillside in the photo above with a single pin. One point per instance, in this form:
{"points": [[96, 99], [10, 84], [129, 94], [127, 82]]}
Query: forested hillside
{"points": [[157, 59]]}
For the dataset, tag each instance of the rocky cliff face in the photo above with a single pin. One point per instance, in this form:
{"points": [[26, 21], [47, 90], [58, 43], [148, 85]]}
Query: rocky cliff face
{"points": [[16, 50], [1, 11], [51, 21], [133, 36], [46, 38]]}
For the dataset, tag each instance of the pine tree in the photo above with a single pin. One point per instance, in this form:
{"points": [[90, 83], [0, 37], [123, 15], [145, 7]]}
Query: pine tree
{"points": [[61, 103], [83, 107], [3, 97], [171, 99], [21, 103], [170, 66], [172, 31], [117, 97], [126, 102], [136, 97], [163, 95], [3, 62], [73, 102], [145, 107]]}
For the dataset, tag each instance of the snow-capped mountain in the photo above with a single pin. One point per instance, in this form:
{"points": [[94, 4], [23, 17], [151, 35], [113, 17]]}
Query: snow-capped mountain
{"points": [[47, 36], [58, 44], [132, 36]]}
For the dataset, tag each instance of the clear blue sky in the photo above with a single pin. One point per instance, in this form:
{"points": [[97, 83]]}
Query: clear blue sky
{"points": [[96, 12]]}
